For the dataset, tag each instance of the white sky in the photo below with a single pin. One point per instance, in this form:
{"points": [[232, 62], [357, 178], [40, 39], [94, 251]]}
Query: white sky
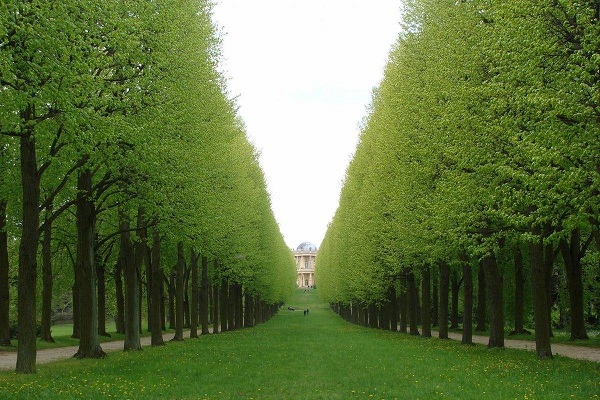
{"points": [[304, 71]]}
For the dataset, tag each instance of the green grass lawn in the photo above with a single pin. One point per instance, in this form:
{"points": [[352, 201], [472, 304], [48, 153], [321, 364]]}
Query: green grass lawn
{"points": [[318, 356]]}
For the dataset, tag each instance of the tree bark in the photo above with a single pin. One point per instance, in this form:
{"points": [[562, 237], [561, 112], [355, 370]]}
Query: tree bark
{"points": [[204, 297], [156, 283], [100, 272], [171, 293], [248, 310], [186, 298], [540, 296], [89, 343], [548, 258], [4, 283], [46, 323], [28, 250], [403, 304], [455, 288], [130, 259], [179, 289], [572, 255], [426, 303], [443, 310], [120, 299], [393, 302], [373, 315], [413, 300], [142, 233], [231, 307], [519, 294], [195, 295], [75, 297], [481, 302], [467, 331], [493, 280], [224, 303], [215, 305], [239, 306], [435, 300]]}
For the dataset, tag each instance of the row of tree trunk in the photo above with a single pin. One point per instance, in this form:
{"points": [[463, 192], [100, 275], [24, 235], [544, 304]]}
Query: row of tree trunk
{"points": [[237, 309], [406, 310]]}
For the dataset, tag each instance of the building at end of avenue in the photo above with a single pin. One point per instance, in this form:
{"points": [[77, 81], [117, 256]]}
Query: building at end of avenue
{"points": [[305, 255]]}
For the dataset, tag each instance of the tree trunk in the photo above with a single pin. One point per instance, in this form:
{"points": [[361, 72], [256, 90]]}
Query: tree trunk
{"points": [[171, 293], [46, 325], [204, 297], [75, 297], [373, 315], [215, 303], [100, 272], [413, 307], [120, 299], [239, 306], [4, 283], [28, 250], [481, 296], [163, 300], [130, 260], [186, 298], [224, 303], [179, 289], [455, 288], [540, 296], [156, 283], [393, 301], [195, 295], [493, 280], [89, 343], [548, 257], [444, 289], [572, 255], [519, 294], [403, 302], [248, 310], [231, 307], [426, 303], [435, 300], [142, 233], [467, 332]]}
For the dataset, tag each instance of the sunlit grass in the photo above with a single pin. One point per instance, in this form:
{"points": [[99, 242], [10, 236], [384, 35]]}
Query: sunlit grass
{"points": [[318, 356]]}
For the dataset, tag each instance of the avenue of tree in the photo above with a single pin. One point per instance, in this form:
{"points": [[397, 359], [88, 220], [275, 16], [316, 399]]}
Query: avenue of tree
{"points": [[127, 178], [476, 180]]}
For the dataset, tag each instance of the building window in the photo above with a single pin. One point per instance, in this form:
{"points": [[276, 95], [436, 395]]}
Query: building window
{"points": [[305, 264]]}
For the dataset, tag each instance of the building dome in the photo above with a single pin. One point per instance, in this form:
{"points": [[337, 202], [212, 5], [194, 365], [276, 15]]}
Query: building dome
{"points": [[307, 246]]}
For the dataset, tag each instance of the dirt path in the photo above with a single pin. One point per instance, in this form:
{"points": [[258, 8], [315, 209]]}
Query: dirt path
{"points": [[8, 360], [565, 350]]}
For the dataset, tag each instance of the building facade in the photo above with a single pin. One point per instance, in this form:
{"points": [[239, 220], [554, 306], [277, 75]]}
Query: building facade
{"points": [[305, 256]]}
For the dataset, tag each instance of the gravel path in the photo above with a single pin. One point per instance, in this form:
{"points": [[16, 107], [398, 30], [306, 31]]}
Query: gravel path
{"points": [[8, 360], [565, 350]]}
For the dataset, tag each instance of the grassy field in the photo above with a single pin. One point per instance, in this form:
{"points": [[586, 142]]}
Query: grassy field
{"points": [[318, 356]]}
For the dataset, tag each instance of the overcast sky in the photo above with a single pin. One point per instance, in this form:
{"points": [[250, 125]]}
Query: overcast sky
{"points": [[304, 71]]}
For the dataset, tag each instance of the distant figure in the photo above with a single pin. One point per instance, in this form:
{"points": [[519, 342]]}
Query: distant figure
{"points": [[305, 313]]}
